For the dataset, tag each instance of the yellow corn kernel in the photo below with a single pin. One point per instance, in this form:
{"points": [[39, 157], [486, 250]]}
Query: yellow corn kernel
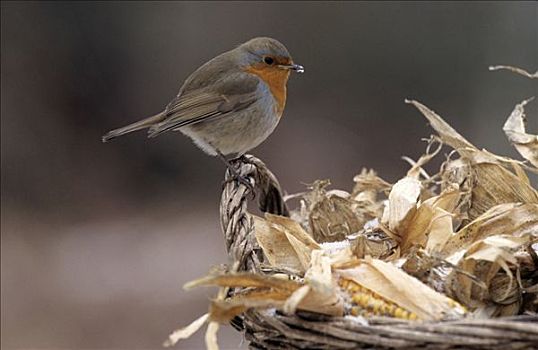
{"points": [[367, 303], [454, 304]]}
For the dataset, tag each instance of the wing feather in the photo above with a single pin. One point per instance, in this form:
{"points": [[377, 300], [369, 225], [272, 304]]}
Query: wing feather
{"points": [[232, 94]]}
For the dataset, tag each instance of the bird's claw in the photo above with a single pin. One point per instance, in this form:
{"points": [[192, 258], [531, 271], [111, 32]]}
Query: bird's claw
{"points": [[245, 180]]}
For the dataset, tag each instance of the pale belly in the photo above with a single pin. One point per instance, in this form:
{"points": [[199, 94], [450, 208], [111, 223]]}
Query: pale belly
{"points": [[238, 132]]}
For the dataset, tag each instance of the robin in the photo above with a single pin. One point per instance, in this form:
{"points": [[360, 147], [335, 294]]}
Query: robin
{"points": [[230, 104]]}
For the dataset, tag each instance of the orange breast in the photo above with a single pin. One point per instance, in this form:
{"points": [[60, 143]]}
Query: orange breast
{"points": [[276, 79]]}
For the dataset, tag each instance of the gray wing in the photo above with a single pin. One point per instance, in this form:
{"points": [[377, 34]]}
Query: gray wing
{"points": [[231, 94]]}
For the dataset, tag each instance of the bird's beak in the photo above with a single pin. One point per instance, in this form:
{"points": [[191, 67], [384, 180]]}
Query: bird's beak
{"points": [[295, 67]]}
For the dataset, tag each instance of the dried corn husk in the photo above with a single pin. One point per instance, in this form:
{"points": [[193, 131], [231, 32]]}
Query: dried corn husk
{"points": [[515, 70], [492, 183], [333, 218], [393, 285], [496, 185], [330, 215], [514, 219], [186, 332], [366, 194], [322, 296], [514, 128], [492, 261], [316, 293], [375, 243], [402, 206], [284, 242]]}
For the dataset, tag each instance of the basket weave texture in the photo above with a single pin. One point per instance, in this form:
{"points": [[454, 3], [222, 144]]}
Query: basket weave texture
{"points": [[269, 329]]}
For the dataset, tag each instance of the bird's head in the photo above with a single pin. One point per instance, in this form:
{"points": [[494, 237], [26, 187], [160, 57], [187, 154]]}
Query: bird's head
{"points": [[267, 54]]}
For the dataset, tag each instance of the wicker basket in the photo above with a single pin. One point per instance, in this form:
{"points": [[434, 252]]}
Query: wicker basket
{"points": [[269, 329]]}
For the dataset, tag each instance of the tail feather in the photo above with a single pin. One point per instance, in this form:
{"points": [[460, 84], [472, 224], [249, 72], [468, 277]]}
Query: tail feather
{"points": [[139, 125]]}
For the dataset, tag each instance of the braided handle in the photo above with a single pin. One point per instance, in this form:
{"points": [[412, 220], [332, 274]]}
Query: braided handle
{"points": [[236, 222]]}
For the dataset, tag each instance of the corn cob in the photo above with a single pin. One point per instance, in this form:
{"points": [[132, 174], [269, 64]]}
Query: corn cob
{"points": [[366, 303]]}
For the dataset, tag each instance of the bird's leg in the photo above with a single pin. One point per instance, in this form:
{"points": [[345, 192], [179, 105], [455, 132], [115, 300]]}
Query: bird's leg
{"points": [[235, 174], [225, 160]]}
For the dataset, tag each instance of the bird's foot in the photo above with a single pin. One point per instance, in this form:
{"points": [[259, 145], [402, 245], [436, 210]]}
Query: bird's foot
{"points": [[241, 180], [236, 176]]}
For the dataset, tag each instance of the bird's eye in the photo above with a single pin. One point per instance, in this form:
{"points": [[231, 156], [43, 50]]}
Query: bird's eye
{"points": [[268, 60]]}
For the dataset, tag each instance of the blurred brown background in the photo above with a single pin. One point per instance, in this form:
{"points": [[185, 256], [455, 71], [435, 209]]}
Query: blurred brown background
{"points": [[97, 239]]}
